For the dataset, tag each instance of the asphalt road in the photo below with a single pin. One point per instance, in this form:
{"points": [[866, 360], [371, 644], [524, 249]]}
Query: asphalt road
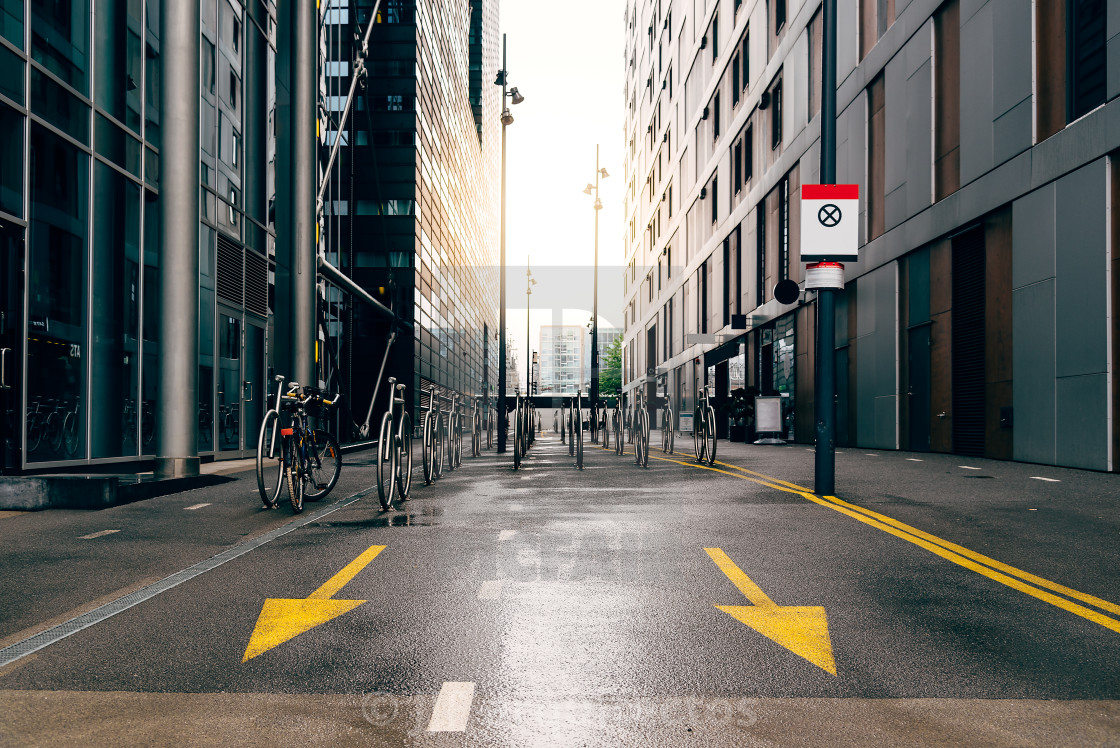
{"points": [[937, 600]]}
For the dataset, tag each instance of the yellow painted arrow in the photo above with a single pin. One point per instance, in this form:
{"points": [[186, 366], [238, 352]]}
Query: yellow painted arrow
{"points": [[281, 620], [802, 630]]}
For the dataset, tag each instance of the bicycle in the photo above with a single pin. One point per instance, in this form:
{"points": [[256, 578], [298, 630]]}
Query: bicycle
{"points": [[579, 430], [455, 434], [394, 450], [518, 426], [272, 446], [667, 426], [432, 438], [476, 430], [312, 455], [704, 428], [641, 429], [617, 418], [490, 418]]}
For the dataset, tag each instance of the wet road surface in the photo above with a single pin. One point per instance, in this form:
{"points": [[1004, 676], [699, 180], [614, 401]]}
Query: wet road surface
{"points": [[674, 605]]}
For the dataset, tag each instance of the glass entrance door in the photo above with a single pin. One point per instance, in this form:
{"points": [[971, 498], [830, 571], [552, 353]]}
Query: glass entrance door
{"points": [[11, 348], [254, 385], [228, 412]]}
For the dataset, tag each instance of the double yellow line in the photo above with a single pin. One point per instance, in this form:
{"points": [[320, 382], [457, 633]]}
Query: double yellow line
{"points": [[1023, 581]]}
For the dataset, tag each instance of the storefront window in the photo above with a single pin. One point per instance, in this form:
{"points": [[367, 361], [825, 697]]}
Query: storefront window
{"points": [[56, 324], [115, 365], [58, 106], [206, 414], [12, 68]]}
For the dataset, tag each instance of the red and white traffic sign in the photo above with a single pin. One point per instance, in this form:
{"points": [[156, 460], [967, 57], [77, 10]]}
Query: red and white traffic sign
{"points": [[829, 222]]}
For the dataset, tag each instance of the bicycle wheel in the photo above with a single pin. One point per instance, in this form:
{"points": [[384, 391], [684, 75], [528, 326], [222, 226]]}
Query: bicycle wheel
{"points": [[517, 441], [325, 465], [476, 435], [645, 438], [451, 442], [293, 470], [441, 447], [579, 443], [571, 433], [457, 437], [404, 466], [54, 431], [710, 433], [270, 460], [698, 439], [490, 430], [386, 462], [427, 449], [70, 433], [619, 446]]}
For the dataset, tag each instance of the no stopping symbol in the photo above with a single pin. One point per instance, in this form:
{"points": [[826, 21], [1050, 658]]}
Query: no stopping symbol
{"points": [[829, 215]]}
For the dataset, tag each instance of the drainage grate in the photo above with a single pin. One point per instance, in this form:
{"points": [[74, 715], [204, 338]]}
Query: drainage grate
{"points": [[46, 638]]}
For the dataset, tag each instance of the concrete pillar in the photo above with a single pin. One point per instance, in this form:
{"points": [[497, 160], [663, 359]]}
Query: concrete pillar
{"points": [[177, 399]]}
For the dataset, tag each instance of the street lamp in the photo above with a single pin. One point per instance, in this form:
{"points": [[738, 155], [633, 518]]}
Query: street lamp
{"points": [[599, 172], [507, 119]]}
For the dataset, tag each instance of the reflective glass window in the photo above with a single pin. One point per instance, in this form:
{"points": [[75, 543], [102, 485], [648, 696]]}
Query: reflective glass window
{"points": [[151, 74], [119, 66], [60, 40], [58, 106], [117, 146], [150, 321], [206, 310], [11, 21], [115, 318], [11, 161], [11, 75], [56, 323]]}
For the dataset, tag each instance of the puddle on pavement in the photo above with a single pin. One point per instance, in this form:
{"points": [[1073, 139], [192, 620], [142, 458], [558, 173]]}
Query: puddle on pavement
{"points": [[426, 518]]}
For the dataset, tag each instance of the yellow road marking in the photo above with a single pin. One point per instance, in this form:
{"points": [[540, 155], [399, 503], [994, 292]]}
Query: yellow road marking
{"points": [[981, 564], [284, 619], [802, 629], [339, 580]]}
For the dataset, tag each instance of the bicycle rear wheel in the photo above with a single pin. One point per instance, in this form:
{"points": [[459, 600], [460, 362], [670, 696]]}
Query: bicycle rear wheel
{"points": [[579, 442], [517, 441], [293, 470], [270, 460], [698, 439], [645, 438], [710, 447], [427, 449], [386, 462], [325, 464], [441, 448], [404, 467]]}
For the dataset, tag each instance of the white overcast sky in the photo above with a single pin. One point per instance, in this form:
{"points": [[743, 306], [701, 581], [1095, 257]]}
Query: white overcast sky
{"points": [[567, 60]]}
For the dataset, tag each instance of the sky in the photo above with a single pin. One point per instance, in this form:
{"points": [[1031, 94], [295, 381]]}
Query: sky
{"points": [[569, 66]]}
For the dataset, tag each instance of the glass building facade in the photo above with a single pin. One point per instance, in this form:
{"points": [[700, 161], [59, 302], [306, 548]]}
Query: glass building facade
{"points": [[80, 141], [412, 207]]}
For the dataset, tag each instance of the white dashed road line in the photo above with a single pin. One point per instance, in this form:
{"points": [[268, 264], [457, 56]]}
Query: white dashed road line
{"points": [[453, 708], [967, 467], [1048, 480], [93, 535], [506, 535], [914, 459], [196, 506]]}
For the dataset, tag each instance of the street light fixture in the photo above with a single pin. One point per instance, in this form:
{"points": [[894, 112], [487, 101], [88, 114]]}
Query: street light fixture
{"points": [[507, 119], [600, 172]]}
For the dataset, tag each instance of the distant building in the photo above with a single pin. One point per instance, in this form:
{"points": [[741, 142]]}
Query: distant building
{"points": [[562, 356]]}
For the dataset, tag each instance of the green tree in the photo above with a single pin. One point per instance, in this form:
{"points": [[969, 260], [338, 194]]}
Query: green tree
{"points": [[610, 370]]}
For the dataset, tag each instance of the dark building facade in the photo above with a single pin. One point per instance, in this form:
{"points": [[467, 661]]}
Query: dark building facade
{"points": [[410, 213], [412, 208], [980, 317]]}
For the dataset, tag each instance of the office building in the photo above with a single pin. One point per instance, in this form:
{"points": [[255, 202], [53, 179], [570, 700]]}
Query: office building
{"points": [[562, 358], [979, 319]]}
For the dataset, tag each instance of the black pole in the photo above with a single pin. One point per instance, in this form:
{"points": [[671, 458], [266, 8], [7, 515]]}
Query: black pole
{"points": [[825, 395], [595, 309], [502, 424]]}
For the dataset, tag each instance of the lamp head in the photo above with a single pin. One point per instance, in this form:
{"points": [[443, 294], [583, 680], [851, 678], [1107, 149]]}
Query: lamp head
{"points": [[603, 173], [507, 118], [588, 188], [500, 80], [516, 96]]}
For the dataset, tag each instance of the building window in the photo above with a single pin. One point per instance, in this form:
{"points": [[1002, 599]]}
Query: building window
{"points": [[715, 117], [714, 195], [737, 160], [727, 281], [715, 37], [946, 100], [748, 154], [735, 90], [783, 229], [875, 17], [746, 57], [760, 253], [776, 114], [816, 54], [780, 14], [876, 160]]}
